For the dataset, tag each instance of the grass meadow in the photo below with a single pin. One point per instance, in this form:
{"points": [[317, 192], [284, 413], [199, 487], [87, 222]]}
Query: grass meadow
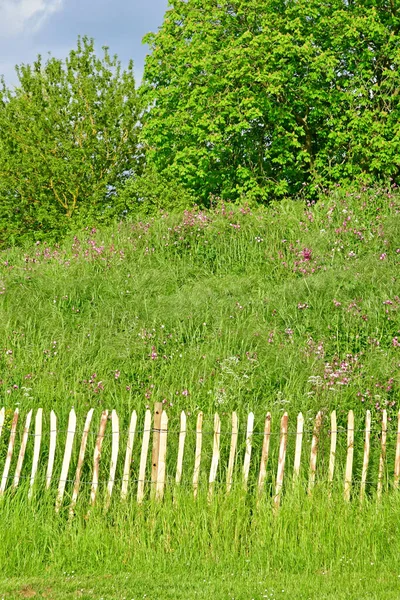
{"points": [[293, 307]]}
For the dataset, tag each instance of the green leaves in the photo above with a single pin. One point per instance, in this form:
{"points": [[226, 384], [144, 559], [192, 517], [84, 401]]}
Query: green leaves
{"points": [[260, 100], [68, 138]]}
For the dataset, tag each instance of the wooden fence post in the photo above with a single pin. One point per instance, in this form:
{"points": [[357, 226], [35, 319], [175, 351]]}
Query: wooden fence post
{"points": [[382, 457], [128, 456], [97, 455], [247, 454], [81, 458], [10, 451], [197, 458], [281, 460], [143, 456], [158, 409], [232, 452], [350, 454], [114, 455], [215, 456], [314, 451], [264, 454], [162, 458], [21, 455], [181, 449], [332, 452], [69, 442], [297, 452], [397, 457], [36, 449], [52, 448]]}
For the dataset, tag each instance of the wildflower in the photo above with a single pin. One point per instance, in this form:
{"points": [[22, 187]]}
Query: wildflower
{"points": [[153, 354], [396, 342], [383, 256], [301, 306], [117, 374], [306, 253], [336, 303], [289, 331], [185, 393]]}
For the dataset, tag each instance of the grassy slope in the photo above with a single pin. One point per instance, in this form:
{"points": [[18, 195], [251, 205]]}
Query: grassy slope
{"points": [[286, 308]]}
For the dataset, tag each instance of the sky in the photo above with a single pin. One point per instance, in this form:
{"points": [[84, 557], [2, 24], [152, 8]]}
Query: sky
{"points": [[32, 27]]}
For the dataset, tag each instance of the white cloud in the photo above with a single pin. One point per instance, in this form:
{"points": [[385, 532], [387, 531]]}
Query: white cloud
{"points": [[17, 16]]}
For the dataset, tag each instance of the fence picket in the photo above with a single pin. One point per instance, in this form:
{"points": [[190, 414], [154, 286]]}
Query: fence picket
{"points": [[332, 451], [397, 457], [158, 409], [22, 450], [232, 451], [247, 455], [297, 452], [215, 455], [314, 451], [367, 445], [10, 451], [382, 457], [81, 459], [36, 449], [197, 457], [114, 455], [264, 453], [97, 455], [350, 454], [281, 460], [143, 456], [128, 456], [162, 457], [181, 448], [69, 442], [52, 448]]}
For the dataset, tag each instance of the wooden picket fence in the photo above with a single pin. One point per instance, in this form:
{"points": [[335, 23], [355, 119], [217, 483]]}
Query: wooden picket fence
{"points": [[155, 429]]}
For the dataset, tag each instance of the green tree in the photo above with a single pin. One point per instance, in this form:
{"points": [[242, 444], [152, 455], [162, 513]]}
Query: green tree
{"points": [[264, 98], [68, 138]]}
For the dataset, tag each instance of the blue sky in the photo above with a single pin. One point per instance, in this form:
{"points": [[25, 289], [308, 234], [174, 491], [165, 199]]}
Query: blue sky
{"points": [[32, 27]]}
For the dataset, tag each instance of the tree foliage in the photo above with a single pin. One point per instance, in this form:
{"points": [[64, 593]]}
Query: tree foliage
{"points": [[68, 137], [265, 98]]}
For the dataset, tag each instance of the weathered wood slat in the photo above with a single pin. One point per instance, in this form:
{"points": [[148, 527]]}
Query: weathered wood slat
{"points": [[232, 451], [158, 409], [22, 450], [36, 449], [397, 456], [297, 451], [10, 451], [382, 457], [162, 458], [247, 454], [181, 449], [281, 460], [52, 448], [114, 455], [367, 445], [81, 458], [264, 453], [128, 456], [143, 456], [97, 455], [314, 451], [350, 455], [197, 457], [332, 451], [215, 455], [69, 442]]}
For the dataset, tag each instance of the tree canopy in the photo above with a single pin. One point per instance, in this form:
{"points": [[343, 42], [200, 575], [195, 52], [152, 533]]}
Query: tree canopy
{"points": [[267, 98], [68, 137]]}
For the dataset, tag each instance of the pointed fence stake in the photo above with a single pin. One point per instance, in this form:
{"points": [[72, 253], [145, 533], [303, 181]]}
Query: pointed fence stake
{"points": [[114, 455], [350, 454], [247, 455], [52, 448], [22, 450], [215, 456], [397, 457], [10, 451], [332, 452], [181, 449], [367, 445], [81, 459], [162, 458], [97, 455], [69, 442], [158, 409], [281, 460], [382, 457], [314, 451], [143, 456], [232, 452], [297, 451], [128, 456], [264, 454], [36, 449], [197, 456]]}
